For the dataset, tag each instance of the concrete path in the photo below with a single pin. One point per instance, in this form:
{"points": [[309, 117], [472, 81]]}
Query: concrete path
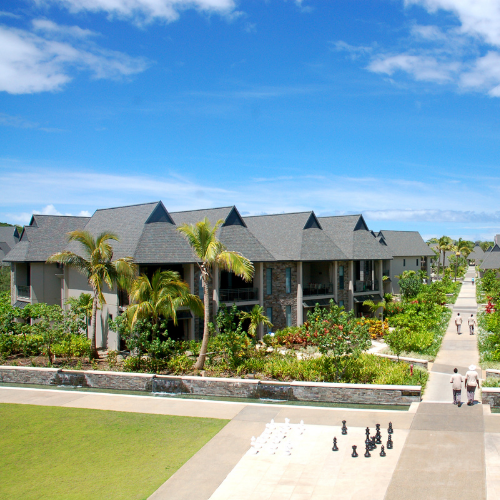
{"points": [[440, 451]]}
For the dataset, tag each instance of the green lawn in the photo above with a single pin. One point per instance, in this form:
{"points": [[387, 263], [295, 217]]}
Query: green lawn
{"points": [[72, 453]]}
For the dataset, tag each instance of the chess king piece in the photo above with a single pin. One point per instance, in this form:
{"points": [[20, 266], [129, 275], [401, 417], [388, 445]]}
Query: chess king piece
{"points": [[335, 447], [354, 453], [367, 452], [344, 428], [389, 443], [390, 429], [382, 451]]}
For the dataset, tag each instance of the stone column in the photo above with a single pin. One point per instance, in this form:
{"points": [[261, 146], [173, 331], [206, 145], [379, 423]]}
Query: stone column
{"points": [[351, 285], [335, 282], [191, 323], [380, 274], [372, 277], [300, 296], [392, 277], [260, 284]]}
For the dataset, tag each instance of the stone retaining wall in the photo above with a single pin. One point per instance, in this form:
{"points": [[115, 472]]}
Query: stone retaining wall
{"points": [[490, 396], [218, 387], [492, 373]]}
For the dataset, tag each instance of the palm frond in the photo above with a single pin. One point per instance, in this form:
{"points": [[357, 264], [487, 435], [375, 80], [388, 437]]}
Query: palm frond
{"points": [[235, 262]]}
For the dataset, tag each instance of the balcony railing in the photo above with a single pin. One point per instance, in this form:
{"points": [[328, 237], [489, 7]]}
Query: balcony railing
{"points": [[366, 286], [318, 289], [23, 291], [238, 294]]}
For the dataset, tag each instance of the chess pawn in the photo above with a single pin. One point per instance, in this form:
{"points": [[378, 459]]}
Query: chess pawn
{"points": [[374, 446], [389, 443], [382, 451], [344, 428], [354, 453], [367, 452], [335, 447], [390, 429]]}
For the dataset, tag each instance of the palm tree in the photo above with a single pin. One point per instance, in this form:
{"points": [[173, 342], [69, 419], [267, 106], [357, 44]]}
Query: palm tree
{"points": [[84, 304], [160, 297], [98, 266], [211, 253], [443, 245], [374, 307], [486, 245], [461, 248], [256, 317]]}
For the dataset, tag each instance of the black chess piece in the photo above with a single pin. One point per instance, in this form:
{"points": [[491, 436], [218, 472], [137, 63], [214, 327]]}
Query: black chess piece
{"points": [[368, 442], [344, 428], [377, 427], [378, 437], [374, 446], [382, 451], [335, 447], [354, 453], [367, 432], [367, 452], [389, 443], [390, 429]]}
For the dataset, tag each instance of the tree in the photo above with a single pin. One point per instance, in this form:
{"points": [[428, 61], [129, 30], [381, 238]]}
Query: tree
{"points": [[82, 305], [160, 297], [462, 248], [212, 254], [256, 317], [374, 307], [443, 245], [410, 284], [486, 245], [98, 266]]}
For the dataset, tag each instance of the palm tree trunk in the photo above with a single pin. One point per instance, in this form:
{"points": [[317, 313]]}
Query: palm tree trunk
{"points": [[200, 362], [93, 348]]}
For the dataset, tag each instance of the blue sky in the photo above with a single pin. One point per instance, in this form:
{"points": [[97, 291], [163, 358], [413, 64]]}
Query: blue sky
{"points": [[388, 108]]}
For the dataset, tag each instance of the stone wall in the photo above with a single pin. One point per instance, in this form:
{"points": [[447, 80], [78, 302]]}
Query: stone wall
{"points": [[421, 363], [490, 396], [217, 387], [279, 299], [343, 294]]}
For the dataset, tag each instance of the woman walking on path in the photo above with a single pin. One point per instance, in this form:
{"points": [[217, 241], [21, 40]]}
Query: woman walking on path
{"points": [[458, 322], [471, 322], [456, 380], [471, 382]]}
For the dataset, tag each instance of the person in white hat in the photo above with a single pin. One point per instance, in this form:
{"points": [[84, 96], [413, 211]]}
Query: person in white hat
{"points": [[471, 382]]}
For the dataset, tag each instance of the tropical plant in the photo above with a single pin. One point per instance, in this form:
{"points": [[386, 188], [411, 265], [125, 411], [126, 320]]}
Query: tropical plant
{"points": [[82, 306], [410, 284], [212, 254], [486, 245], [462, 248], [256, 317], [375, 306], [160, 297], [98, 266]]}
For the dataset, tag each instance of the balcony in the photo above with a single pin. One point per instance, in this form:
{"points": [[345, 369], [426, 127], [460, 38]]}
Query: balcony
{"points": [[366, 286], [238, 294], [318, 289], [23, 292]]}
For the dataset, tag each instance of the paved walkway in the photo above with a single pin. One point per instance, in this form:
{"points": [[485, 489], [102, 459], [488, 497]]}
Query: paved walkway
{"points": [[440, 451]]}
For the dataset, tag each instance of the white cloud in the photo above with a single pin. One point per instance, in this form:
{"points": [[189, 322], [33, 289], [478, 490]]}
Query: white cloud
{"points": [[36, 63], [46, 26], [422, 68], [19, 122], [148, 10], [484, 75], [353, 50], [477, 17]]}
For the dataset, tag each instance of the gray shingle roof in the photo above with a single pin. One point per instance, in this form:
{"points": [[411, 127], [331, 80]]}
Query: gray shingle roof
{"points": [[491, 259], [126, 222], [352, 235], [46, 234], [9, 237], [285, 238], [476, 254], [406, 244]]}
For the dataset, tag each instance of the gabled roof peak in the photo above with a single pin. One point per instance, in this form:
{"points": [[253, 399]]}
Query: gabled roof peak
{"points": [[312, 222], [234, 219], [361, 224], [160, 214]]}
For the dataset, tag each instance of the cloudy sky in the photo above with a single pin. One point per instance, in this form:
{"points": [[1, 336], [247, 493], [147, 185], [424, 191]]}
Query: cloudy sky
{"points": [[388, 108]]}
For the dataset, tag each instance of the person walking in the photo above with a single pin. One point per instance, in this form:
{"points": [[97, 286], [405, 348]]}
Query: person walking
{"points": [[458, 322], [471, 322], [471, 382], [456, 380]]}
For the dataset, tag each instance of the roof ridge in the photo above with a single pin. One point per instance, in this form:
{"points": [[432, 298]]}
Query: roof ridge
{"points": [[201, 209], [284, 213], [345, 215], [74, 216], [128, 206]]}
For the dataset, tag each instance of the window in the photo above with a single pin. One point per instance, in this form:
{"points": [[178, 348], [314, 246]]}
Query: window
{"points": [[288, 279], [269, 281], [341, 277], [417, 262], [404, 262], [269, 314], [288, 315], [341, 303]]}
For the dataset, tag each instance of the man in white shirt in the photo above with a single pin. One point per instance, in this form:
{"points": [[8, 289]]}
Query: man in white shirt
{"points": [[471, 322], [456, 380], [471, 382], [458, 322]]}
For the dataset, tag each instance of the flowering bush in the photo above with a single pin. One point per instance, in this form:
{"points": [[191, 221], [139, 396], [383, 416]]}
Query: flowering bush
{"points": [[377, 328]]}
